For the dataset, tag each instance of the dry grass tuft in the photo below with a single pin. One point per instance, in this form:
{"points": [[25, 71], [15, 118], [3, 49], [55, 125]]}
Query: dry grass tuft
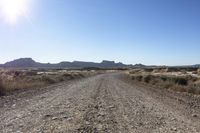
{"points": [[11, 80], [198, 71], [160, 78]]}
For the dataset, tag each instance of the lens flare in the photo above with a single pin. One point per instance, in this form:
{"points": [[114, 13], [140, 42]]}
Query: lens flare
{"points": [[13, 9]]}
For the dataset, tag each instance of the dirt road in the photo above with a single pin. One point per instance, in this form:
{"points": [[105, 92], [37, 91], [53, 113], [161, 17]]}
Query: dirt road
{"points": [[99, 104]]}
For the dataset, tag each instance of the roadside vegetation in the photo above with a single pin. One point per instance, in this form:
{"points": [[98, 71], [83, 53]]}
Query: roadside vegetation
{"points": [[11, 80], [177, 79]]}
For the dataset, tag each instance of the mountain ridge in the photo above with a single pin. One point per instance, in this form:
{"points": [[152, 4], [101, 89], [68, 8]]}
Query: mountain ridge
{"points": [[29, 62]]}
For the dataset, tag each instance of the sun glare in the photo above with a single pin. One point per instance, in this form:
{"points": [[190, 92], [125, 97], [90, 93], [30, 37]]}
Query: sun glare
{"points": [[13, 9]]}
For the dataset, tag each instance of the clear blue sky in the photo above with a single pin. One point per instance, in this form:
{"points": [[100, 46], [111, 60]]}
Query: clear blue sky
{"points": [[130, 31]]}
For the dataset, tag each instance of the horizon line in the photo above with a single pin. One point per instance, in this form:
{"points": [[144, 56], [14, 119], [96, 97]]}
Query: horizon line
{"points": [[97, 62]]}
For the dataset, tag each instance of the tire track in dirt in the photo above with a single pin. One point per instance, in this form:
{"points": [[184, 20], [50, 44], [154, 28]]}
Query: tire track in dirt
{"points": [[133, 115], [99, 116]]}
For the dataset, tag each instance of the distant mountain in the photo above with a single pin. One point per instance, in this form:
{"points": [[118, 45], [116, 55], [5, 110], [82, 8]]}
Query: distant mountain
{"points": [[197, 65], [139, 65], [22, 62], [29, 62]]}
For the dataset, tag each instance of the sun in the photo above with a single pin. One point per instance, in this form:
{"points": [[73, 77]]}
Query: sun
{"points": [[13, 9]]}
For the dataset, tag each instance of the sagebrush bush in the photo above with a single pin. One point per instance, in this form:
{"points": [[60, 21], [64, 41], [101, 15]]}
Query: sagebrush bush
{"points": [[68, 76], [81, 75], [180, 80], [47, 79], [182, 84], [163, 78], [11, 80], [148, 70], [147, 78], [2, 89], [138, 77], [135, 71]]}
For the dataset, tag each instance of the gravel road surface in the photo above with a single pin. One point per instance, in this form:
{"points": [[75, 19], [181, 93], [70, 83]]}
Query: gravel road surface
{"points": [[99, 104]]}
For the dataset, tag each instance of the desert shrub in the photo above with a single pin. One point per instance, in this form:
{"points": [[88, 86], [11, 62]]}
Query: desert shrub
{"points": [[194, 72], [191, 90], [179, 80], [183, 71], [47, 79], [138, 77], [187, 83], [80, 75], [68, 76], [61, 79], [168, 85], [31, 73], [159, 70], [179, 88], [11, 80], [135, 71], [172, 69], [2, 89], [147, 78], [132, 77], [148, 70], [17, 73], [197, 83], [191, 78], [194, 89], [163, 78]]}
